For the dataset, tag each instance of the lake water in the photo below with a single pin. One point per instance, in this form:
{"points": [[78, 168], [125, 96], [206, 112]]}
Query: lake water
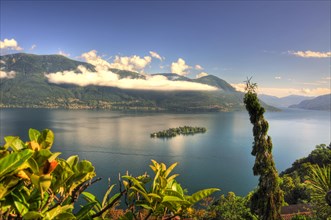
{"points": [[116, 142]]}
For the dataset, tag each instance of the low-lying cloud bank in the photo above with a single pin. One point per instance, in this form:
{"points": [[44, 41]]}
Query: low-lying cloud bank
{"points": [[105, 77], [282, 92], [7, 75]]}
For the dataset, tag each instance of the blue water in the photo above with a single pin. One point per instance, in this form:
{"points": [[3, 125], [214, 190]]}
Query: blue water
{"points": [[117, 142]]}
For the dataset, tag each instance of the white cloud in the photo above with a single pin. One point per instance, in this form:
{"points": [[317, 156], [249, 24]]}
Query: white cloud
{"points": [[104, 77], [198, 67], [33, 46], [92, 58], [61, 52], [281, 92], [316, 91], [180, 67], [310, 54], [10, 44], [108, 78], [202, 74], [8, 75], [133, 63], [278, 77], [156, 55], [239, 86]]}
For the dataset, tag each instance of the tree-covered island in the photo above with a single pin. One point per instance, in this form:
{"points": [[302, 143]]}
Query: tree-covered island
{"points": [[173, 132]]}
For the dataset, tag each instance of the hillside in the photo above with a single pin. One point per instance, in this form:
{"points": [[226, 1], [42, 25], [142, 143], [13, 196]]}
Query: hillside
{"points": [[283, 102], [319, 103], [30, 88]]}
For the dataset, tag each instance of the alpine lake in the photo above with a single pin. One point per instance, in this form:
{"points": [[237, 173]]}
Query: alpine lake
{"points": [[117, 142]]}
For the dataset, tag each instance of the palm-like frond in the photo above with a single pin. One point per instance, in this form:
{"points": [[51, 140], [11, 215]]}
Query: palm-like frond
{"points": [[320, 185]]}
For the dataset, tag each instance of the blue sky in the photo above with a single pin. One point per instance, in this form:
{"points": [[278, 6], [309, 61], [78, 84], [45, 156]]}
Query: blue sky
{"points": [[284, 45]]}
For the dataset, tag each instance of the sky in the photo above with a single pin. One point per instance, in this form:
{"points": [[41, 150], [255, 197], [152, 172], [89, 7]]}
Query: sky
{"points": [[283, 45]]}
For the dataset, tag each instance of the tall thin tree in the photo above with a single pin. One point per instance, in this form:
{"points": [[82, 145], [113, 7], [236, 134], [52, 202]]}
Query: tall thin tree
{"points": [[267, 199]]}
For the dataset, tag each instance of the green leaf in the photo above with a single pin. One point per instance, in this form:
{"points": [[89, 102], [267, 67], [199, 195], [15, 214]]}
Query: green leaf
{"points": [[12, 161], [84, 211], [73, 160], [144, 194], [145, 206], [46, 139], [172, 177], [176, 187], [106, 195], [20, 203], [54, 156], [114, 197], [170, 192], [62, 175], [172, 199], [89, 197], [83, 172], [42, 182], [33, 165], [66, 216], [32, 215], [57, 212], [14, 142], [34, 134], [168, 171], [157, 175], [154, 196], [7, 185], [135, 183], [41, 156], [201, 195]]}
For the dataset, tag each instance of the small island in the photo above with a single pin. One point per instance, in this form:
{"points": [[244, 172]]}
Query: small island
{"points": [[173, 132]]}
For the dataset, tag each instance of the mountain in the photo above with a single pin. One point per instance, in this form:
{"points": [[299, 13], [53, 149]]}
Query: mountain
{"points": [[283, 102], [30, 88], [208, 80], [173, 77], [319, 103], [216, 82]]}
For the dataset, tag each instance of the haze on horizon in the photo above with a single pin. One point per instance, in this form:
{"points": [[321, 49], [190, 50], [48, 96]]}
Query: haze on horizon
{"points": [[284, 46]]}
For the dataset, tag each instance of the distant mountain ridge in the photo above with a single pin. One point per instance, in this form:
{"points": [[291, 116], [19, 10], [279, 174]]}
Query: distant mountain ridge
{"points": [[319, 103], [30, 88], [283, 102]]}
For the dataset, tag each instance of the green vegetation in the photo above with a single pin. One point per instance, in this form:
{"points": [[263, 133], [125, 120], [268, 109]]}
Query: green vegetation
{"points": [[36, 184], [173, 132], [319, 181], [308, 181], [267, 199], [163, 197], [232, 207]]}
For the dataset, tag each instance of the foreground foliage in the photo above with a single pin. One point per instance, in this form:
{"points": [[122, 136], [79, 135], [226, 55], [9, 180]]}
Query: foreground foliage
{"points": [[319, 181], [163, 197], [36, 184], [232, 207]]}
